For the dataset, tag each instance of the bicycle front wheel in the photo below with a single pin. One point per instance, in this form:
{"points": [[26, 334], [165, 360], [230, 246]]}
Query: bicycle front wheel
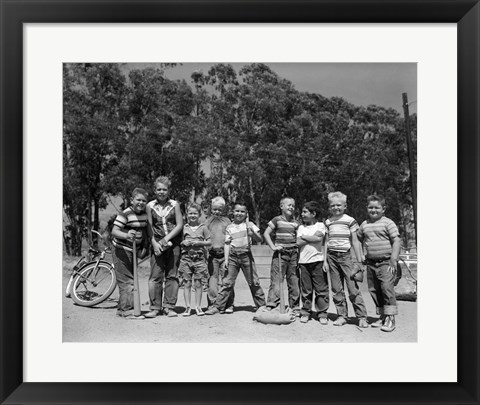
{"points": [[94, 284]]}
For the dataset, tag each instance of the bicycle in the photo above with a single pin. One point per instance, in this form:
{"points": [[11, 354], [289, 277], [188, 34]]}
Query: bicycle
{"points": [[93, 279]]}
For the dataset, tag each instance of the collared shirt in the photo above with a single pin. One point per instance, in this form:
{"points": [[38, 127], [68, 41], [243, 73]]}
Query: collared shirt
{"points": [[378, 237], [196, 233], [339, 232], [217, 227], [163, 217], [236, 234]]}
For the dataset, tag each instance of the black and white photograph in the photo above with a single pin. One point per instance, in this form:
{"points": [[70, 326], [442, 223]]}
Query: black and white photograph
{"points": [[239, 202]]}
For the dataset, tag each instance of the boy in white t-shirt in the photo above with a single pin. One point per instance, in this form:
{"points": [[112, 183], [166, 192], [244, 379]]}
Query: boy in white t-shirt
{"points": [[313, 278], [238, 256]]}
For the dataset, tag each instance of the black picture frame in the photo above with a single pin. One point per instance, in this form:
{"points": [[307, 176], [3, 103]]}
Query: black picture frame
{"points": [[465, 13]]}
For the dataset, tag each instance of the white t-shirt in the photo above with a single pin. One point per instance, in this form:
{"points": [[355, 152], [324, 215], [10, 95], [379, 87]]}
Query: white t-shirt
{"points": [[312, 252]]}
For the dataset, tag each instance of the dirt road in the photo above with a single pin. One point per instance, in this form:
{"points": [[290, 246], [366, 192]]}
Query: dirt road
{"points": [[100, 324]]}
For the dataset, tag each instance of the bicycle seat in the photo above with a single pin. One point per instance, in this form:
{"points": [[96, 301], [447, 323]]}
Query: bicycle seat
{"points": [[94, 251]]}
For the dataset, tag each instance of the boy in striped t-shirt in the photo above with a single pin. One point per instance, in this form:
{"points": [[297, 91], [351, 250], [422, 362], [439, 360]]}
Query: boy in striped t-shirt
{"points": [[341, 237], [284, 227], [129, 225], [382, 242]]}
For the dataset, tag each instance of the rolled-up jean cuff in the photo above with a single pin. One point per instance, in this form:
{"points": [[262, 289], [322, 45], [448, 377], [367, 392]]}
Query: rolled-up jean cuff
{"points": [[390, 310]]}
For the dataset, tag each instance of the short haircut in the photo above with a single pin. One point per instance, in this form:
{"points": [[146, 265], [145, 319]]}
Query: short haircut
{"points": [[162, 179], [139, 190], [337, 194], [286, 198], [241, 202], [194, 206], [218, 201], [376, 197], [313, 206]]}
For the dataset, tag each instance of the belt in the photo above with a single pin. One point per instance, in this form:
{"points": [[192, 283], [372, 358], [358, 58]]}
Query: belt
{"points": [[241, 252], [335, 253], [217, 253], [377, 260], [287, 248], [195, 255]]}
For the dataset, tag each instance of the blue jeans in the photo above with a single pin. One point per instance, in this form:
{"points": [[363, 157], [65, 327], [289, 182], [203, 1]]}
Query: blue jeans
{"points": [[236, 262], [341, 269], [123, 264], [289, 259], [217, 274], [381, 286], [164, 268], [314, 279]]}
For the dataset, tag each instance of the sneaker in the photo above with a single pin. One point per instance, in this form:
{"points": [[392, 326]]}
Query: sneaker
{"points": [[340, 321], [229, 310], [124, 314], [134, 317], [170, 313], [389, 324], [153, 313], [199, 311], [323, 320], [297, 313], [304, 318], [187, 312], [362, 323], [378, 323], [129, 315], [212, 311]]}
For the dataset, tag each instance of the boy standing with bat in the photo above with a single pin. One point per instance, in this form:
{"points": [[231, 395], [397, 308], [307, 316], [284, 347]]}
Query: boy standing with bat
{"points": [[129, 226]]}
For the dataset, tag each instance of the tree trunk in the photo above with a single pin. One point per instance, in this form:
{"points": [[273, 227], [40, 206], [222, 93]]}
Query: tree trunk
{"points": [[256, 212], [96, 220]]}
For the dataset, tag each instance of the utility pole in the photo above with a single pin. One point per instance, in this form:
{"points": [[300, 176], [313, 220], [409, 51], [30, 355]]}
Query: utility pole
{"points": [[413, 177]]}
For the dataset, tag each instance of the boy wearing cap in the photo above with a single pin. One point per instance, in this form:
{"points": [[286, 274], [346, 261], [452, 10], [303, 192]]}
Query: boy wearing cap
{"points": [[382, 242]]}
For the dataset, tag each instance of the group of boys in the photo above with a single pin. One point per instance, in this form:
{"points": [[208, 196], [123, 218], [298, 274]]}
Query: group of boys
{"points": [[229, 251], [378, 235]]}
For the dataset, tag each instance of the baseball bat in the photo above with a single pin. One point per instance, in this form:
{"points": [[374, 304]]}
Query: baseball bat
{"points": [[282, 297], [137, 309]]}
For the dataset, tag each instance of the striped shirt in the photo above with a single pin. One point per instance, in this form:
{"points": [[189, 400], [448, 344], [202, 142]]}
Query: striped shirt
{"points": [[198, 233], [127, 220], [339, 232], [378, 237], [236, 234], [285, 231]]}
